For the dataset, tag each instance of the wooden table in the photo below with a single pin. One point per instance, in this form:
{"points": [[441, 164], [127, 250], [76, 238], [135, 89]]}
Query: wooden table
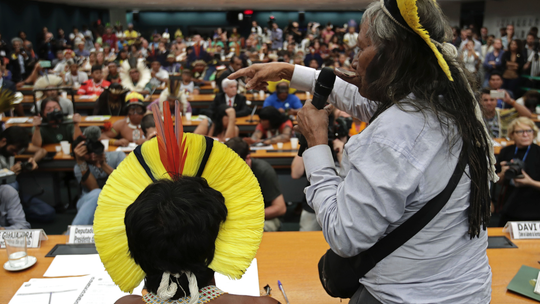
{"points": [[292, 258]]}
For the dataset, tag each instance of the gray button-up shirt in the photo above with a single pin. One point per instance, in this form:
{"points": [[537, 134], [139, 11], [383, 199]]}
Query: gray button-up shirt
{"points": [[11, 211], [389, 171]]}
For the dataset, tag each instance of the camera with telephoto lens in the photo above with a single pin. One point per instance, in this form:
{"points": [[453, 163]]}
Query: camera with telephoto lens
{"points": [[56, 116], [26, 166], [514, 170], [92, 146]]}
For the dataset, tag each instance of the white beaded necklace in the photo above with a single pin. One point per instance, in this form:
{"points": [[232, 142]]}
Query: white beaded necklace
{"points": [[206, 294]]}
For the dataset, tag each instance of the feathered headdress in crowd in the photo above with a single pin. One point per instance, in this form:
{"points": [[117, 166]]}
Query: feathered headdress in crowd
{"points": [[173, 89], [8, 99], [144, 78], [175, 153]]}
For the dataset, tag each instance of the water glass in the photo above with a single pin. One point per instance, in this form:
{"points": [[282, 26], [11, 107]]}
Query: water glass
{"points": [[188, 116], [280, 145], [294, 143], [16, 249]]}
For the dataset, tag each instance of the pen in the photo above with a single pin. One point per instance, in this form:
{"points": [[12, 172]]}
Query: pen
{"points": [[283, 292]]}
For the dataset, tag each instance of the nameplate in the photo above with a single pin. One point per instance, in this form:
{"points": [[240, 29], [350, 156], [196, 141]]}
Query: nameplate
{"points": [[33, 237], [523, 230], [81, 234]]}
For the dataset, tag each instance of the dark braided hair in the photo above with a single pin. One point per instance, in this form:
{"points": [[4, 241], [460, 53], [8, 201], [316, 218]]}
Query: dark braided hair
{"points": [[415, 69]]}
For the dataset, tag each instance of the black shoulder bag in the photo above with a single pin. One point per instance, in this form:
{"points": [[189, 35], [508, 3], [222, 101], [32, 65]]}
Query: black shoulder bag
{"points": [[340, 276]]}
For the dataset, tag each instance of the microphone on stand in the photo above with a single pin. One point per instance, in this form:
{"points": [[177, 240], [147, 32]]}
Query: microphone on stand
{"points": [[323, 88]]}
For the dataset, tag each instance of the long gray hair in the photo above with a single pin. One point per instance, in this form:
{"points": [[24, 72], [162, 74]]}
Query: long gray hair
{"points": [[405, 64]]}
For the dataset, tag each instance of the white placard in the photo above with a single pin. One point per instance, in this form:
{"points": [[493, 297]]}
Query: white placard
{"points": [[523, 230], [81, 234], [33, 237]]}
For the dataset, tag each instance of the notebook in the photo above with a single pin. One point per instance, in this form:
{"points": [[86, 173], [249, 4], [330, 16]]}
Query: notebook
{"points": [[522, 283]]}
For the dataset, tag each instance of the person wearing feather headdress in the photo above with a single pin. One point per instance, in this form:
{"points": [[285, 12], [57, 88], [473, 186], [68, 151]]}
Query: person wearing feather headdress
{"points": [[194, 202], [135, 75], [173, 92], [128, 130], [51, 82], [424, 121]]}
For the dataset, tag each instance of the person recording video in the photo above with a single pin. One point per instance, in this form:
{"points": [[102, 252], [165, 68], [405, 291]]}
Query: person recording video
{"points": [[518, 167], [93, 167], [423, 114], [50, 127]]}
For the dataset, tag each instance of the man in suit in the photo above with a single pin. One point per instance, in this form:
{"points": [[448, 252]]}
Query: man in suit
{"points": [[234, 65], [231, 98]]}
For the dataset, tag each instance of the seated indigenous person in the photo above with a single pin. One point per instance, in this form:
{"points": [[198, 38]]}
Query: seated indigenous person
{"points": [[111, 101], [274, 203], [74, 77], [180, 212], [113, 76], [188, 84], [128, 130], [518, 167], [148, 126], [96, 85], [231, 98], [55, 128], [221, 125], [93, 167], [497, 119], [11, 211], [274, 127], [172, 93], [283, 100]]}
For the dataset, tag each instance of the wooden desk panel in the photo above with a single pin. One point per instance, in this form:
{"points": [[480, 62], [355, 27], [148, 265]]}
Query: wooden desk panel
{"points": [[292, 258]]}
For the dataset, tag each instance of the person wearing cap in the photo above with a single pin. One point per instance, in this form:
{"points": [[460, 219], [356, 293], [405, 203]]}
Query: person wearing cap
{"points": [[96, 85], [282, 100], [231, 98], [425, 119], [74, 77], [171, 66], [128, 130], [92, 169], [80, 51]]}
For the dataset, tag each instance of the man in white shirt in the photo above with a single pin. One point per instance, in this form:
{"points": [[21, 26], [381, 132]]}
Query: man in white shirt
{"points": [[477, 44], [350, 38], [74, 77], [159, 75]]}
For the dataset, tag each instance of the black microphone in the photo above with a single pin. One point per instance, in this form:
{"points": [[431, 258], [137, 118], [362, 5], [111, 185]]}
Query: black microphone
{"points": [[323, 88]]}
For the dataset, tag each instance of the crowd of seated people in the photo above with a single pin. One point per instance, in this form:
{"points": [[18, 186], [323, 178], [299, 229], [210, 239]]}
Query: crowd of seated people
{"points": [[129, 73]]}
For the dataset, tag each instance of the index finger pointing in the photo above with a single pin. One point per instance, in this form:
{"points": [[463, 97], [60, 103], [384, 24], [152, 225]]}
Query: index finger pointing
{"points": [[240, 73]]}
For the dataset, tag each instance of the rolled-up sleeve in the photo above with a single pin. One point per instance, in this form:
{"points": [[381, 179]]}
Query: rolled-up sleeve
{"points": [[344, 96], [356, 211]]}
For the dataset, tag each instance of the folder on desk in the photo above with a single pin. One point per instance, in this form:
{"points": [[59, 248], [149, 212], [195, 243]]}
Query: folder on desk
{"points": [[521, 282]]}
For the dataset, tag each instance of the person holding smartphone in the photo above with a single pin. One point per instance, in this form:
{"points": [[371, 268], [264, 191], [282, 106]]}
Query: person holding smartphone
{"points": [[518, 167], [496, 119]]}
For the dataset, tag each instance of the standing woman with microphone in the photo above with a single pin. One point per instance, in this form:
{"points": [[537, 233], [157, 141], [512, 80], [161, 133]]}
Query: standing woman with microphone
{"points": [[423, 115]]}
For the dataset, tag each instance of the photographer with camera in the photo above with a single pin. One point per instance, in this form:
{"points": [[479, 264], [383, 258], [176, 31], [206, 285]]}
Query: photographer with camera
{"points": [[13, 141], [92, 169], [518, 167], [56, 128], [496, 119]]}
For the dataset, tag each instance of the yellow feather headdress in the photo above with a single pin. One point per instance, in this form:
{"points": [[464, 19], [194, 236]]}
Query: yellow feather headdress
{"points": [[405, 14], [174, 152]]}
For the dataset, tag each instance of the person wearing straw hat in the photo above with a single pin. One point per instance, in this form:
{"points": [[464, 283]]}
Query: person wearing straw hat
{"points": [[179, 208], [409, 84]]}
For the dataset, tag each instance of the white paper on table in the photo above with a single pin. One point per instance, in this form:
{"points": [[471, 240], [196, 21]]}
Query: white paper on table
{"points": [[496, 144], [60, 290], [82, 97], [97, 118], [18, 120], [104, 291], [129, 148], [248, 285], [74, 265], [268, 147]]}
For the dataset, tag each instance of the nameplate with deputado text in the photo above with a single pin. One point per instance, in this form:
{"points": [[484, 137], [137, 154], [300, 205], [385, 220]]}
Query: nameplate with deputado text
{"points": [[33, 237], [81, 234], [523, 230]]}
